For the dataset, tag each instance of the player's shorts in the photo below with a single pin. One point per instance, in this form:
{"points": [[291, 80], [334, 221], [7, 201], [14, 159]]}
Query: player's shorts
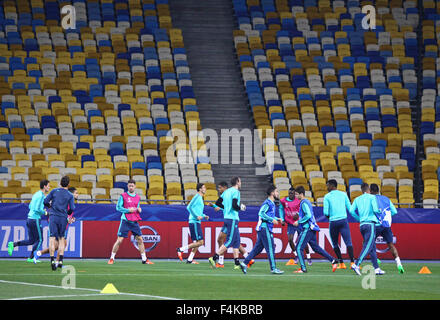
{"points": [[291, 229], [195, 230], [233, 234], [57, 226], [386, 233], [125, 226], [67, 228], [224, 229]]}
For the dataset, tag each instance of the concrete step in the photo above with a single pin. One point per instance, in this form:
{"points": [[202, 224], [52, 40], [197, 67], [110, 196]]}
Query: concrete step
{"points": [[207, 29]]}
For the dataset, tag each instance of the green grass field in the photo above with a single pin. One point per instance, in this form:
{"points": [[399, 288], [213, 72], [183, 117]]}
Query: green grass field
{"points": [[167, 279]]}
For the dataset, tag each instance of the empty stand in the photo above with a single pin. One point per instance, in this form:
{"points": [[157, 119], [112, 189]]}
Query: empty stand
{"points": [[119, 96], [429, 134], [338, 97], [100, 103]]}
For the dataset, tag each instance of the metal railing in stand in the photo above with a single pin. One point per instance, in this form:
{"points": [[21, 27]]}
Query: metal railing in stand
{"points": [[183, 202]]}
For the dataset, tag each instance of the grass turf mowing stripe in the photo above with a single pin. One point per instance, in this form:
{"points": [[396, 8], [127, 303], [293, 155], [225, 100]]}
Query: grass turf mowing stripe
{"points": [[63, 296], [194, 282]]}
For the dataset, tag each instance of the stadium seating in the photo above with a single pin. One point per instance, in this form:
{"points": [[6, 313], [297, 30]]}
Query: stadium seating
{"points": [[337, 97], [113, 98], [429, 132], [102, 102]]}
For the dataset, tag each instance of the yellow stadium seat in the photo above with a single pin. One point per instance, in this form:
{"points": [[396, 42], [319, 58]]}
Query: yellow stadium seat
{"points": [[82, 152], [318, 182], [157, 199], [400, 169], [41, 164], [278, 174], [156, 179], [11, 197]]}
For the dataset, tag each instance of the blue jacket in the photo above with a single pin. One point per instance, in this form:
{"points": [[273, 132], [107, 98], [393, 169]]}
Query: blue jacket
{"points": [[387, 210], [336, 205], [195, 209], [306, 216], [228, 197], [365, 209], [60, 201], [36, 207], [266, 215]]}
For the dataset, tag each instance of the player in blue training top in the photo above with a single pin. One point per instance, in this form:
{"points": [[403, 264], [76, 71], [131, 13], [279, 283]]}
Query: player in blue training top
{"points": [[195, 209], [61, 204], [336, 205], [365, 210], [231, 207], [266, 220], [70, 220], [33, 223], [387, 210], [222, 187], [309, 229]]}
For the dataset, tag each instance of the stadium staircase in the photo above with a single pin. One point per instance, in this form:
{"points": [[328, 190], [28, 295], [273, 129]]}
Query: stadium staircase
{"points": [[416, 107], [207, 28]]}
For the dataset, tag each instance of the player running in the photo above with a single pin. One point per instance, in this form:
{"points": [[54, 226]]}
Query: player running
{"points": [[289, 208], [195, 209], [231, 207], [367, 212], [70, 220], [130, 208], [61, 204], [308, 233], [387, 210], [33, 223], [266, 219], [336, 205], [222, 186]]}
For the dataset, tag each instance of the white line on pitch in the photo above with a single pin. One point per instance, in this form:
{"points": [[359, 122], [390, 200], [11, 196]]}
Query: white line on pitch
{"points": [[63, 296], [85, 289]]}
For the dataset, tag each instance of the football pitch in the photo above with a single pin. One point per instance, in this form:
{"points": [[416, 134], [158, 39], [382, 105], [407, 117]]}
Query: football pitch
{"points": [[175, 280]]}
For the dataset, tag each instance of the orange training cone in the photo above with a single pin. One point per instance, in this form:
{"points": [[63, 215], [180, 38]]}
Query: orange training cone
{"points": [[425, 270]]}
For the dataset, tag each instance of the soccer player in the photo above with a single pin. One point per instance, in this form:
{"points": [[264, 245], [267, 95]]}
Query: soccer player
{"points": [[336, 205], [367, 212], [129, 207], [266, 219], [309, 230], [222, 186], [231, 207], [61, 204], [70, 220], [33, 223], [289, 208], [195, 209], [387, 210]]}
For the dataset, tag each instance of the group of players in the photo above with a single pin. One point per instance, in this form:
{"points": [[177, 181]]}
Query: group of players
{"points": [[372, 210], [59, 205]]}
